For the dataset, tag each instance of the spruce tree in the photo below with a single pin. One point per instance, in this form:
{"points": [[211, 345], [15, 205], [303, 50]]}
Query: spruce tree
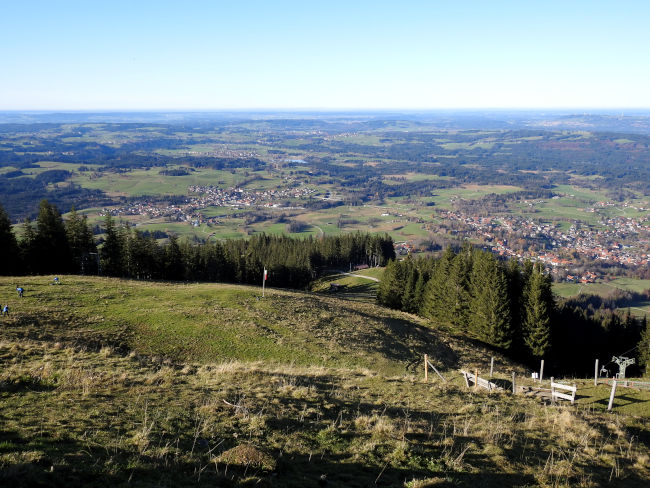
{"points": [[411, 273], [174, 268], [437, 295], [391, 287], [479, 283], [502, 330], [420, 287], [112, 252], [144, 257], [644, 347], [458, 297], [8, 246], [28, 249], [82, 243], [386, 285], [539, 310], [516, 296], [53, 250], [490, 314]]}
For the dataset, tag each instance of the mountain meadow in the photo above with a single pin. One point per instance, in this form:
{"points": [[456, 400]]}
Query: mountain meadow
{"points": [[116, 382]]}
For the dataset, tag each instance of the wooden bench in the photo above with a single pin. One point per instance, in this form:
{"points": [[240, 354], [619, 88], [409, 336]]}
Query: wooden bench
{"points": [[555, 394]]}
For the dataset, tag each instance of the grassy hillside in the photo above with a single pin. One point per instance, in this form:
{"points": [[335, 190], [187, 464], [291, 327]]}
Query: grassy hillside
{"points": [[219, 322], [107, 382]]}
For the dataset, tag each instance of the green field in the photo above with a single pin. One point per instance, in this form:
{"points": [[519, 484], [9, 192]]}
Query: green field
{"points": [[605, 289], [443, 197], [151, 182], [7, 169], [588, 195], [372, 272], [601, 288], [351, 286]]}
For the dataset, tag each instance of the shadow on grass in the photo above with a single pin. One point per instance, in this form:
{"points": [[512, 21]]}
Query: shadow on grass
{"points": [[25, 383], [66, 329], [68, 463], [366, 291], [407, 342], [48, 462], [619, 401]]}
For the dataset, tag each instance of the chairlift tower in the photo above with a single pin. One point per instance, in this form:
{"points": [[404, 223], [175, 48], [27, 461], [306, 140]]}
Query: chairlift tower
{"points": [[623, 363]]}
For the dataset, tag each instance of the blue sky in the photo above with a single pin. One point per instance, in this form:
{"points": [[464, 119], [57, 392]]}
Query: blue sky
{"points": [[139, 54]]}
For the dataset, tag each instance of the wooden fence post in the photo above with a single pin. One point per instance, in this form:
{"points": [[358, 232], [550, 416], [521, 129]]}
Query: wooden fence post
{"points": [[574, 394], [552, 392], [514, 389], [596, 374], [541, 371], [611, 396], [426, 368], [491, 366], [476, 379]]}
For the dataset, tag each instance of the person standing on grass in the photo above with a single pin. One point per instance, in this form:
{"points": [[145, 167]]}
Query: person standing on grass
{"points": [[20, 291], [5, 310]]}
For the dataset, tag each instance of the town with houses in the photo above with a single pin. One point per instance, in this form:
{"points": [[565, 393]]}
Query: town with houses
{"points": [[211, 196], [616, 241]]}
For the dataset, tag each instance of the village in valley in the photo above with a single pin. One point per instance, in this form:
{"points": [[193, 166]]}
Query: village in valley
{"points": [[202, 197], [565, 247], [615, 241]]}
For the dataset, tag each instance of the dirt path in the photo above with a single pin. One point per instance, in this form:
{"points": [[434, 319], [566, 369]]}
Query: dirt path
{"points": [[361, 276]]}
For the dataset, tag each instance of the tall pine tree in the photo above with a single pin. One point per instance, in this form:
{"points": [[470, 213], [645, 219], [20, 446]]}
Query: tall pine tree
{"points": [[8, 246], [53, 250], [113, 251], [490, 312], [516, 288], [644, 347], [82, 243], [174, 266], [436, 302], [28, 248], [539, 308], [458, 288]]}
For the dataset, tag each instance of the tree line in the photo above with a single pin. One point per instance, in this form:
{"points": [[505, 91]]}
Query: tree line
{"points": [[511, 307], [52, 245]]}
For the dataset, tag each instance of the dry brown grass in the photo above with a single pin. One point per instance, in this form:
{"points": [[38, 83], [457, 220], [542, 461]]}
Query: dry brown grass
{"points": [[97, 411]]}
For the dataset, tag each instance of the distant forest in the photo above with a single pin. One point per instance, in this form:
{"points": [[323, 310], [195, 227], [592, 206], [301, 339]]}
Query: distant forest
{"points": [[51, 245], [532, 159]]}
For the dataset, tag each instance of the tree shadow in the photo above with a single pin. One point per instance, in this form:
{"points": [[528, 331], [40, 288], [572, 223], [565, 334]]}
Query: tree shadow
{"points": [[25, 383], [408, 342]]}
